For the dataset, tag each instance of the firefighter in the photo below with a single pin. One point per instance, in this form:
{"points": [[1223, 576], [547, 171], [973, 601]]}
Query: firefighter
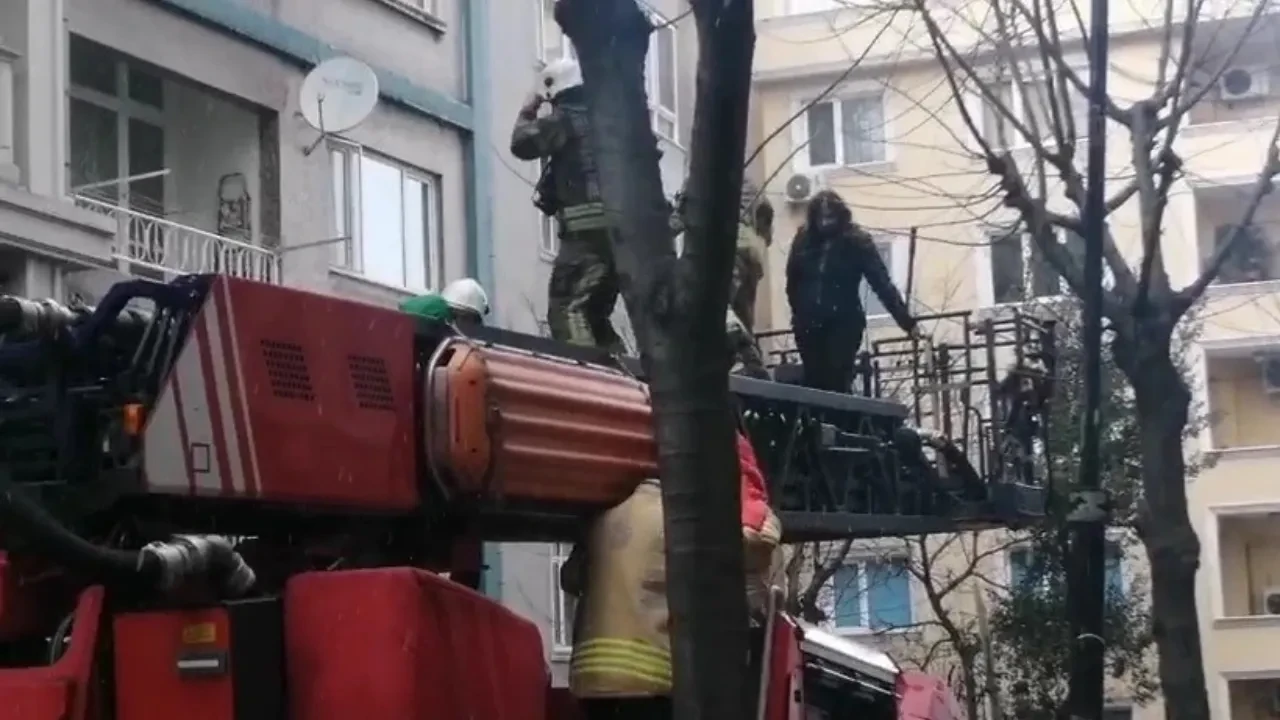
{"points": [[828, 260], [584, 282], [463, 303], [621, 663], [755, 224]]}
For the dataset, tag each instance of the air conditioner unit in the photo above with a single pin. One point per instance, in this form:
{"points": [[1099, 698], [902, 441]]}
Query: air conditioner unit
{"points": [[801, 187], [1244, 83], [1271, 601], [1270, 366]]}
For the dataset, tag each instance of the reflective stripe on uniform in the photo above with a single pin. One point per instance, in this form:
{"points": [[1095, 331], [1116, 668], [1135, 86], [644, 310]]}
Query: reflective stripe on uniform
{"points": [[618, 657], [587, 216]]}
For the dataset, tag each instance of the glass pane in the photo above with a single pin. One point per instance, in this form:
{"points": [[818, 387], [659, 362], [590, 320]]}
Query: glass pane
{"points": [[667, 68], [848, 597], [822, 134], [1044, 279], [94, 149], [1019, 567], [862, 125], [381, 223], [1115, 570], [416, 209], [888, 595], [145, 87], [871, 301], [992, 120], [341, 222], [146, 154], [93, 66], [1007, 269]]}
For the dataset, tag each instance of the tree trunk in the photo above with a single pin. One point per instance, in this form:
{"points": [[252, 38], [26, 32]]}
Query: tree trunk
{"points": [[677, 308], [1173, 551]]}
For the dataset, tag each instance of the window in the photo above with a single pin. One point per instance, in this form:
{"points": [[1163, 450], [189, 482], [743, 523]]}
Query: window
{"points": [[1036, 92], [391, 214], [1019, 270], [660, 78], [1252, 259], [562, 603], [1025, 568], [890, 254], [845, 132], [800, 7], [116, 129], [552, 43], [548, 228], [871, 595], [427, 6], [1117, 713]]}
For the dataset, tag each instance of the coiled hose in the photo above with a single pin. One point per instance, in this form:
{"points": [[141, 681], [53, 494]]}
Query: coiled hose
{"points": [[163, 566]]}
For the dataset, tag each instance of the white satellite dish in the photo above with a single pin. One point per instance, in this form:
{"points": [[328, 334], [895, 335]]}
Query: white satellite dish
{"points": [[338, 94]]}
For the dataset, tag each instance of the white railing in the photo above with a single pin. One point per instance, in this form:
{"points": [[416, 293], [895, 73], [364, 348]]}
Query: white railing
{"points": [[154, 243]]}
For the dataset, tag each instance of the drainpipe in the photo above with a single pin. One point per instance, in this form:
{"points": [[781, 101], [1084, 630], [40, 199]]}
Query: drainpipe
{"points": [[479, 200]]}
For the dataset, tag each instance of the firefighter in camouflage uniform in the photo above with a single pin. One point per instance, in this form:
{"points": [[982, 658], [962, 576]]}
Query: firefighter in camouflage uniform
{"points": [[584, 281], [755, 225]]}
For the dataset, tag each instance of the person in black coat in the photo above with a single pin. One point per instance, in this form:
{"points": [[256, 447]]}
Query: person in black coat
{"points": [[829, 258]]}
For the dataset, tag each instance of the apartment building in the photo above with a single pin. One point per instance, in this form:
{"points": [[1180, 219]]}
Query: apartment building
{"points": [[890, 139], [530, 572]]}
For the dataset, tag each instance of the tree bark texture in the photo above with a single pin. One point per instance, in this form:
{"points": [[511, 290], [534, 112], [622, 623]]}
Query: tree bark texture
{"points": [[677, 308], [1173, 551]]}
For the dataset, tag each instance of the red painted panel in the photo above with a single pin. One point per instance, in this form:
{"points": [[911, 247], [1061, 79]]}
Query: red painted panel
{"points": [[328, 388], [59, 691], [148, 685]]}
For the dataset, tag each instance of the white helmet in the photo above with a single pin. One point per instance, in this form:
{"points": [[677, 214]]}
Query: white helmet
{"points": [[560, 75], [466, 294]]}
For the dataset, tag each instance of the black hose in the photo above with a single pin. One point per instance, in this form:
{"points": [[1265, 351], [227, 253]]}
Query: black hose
{"points": [[52, 538]]}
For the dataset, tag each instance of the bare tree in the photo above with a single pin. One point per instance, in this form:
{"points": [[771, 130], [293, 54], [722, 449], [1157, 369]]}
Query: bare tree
{"points": [[677, 307], [1021, 44]]}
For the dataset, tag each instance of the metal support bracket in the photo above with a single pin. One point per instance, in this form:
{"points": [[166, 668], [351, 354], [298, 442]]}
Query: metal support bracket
{"points": [[1089, 506]]}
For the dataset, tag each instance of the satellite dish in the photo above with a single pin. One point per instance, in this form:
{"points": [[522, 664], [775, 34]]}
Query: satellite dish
{"points": [[338, 94]]}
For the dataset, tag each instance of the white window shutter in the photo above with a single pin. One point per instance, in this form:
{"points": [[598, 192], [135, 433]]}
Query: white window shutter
{"points": [[889, 144], [799, 133], [900, 255]]}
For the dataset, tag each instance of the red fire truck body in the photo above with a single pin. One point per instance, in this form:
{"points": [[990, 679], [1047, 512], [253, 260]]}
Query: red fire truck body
{"points": [[258, 503]]}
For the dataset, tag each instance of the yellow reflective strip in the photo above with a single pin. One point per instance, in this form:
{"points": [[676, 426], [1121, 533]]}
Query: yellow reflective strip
{"points": [[626, 646], [613, 668], [630, 659]]}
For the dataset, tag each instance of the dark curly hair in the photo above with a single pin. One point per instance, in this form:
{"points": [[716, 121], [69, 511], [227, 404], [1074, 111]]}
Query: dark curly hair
{"points": [[844, 218]]}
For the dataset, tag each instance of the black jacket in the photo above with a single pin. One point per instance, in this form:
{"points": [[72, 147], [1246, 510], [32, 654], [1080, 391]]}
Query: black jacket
{"points": [[824, 277]]}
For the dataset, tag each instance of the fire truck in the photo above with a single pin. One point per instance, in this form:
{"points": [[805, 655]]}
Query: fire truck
{"points": [[226, 500]]}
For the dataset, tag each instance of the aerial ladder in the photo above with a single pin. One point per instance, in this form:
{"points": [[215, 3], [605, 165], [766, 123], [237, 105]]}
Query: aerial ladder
{"points": [[228, 500]]}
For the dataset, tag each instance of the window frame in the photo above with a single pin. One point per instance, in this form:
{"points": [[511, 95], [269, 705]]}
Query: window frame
{"points": [[800, 133], [864, 596], [979, 107], [351, 259], [548, 227], [789, 7], [987, 289], [545, 11], [124, 108], [562, 604], [1112, 541], [899, 267], [653, 71]]}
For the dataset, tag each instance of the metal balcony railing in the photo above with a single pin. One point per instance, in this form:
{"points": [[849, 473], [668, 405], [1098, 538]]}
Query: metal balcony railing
{"points": [[154, 243]]}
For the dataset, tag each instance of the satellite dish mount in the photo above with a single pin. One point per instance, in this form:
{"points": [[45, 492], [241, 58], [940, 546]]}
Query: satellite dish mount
{"points": [[337, 95]]}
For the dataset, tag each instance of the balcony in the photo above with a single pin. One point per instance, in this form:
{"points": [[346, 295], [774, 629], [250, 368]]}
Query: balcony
{"points": [[1257, 699], [1245, 548], [177, 168], [152, 246]]}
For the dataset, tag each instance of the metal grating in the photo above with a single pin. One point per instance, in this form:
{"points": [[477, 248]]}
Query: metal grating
{"points": [[287, 370], [371, 383]]}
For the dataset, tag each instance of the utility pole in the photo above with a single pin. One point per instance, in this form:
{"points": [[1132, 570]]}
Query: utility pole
{"points": [[1087, 514]]}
